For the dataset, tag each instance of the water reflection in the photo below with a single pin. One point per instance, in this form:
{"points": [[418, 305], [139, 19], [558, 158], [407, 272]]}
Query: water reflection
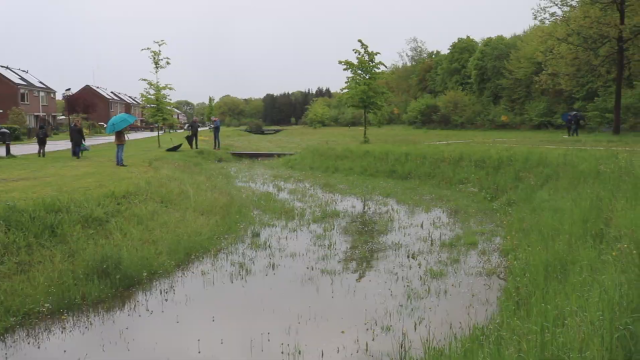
{"points": [[365, 231]]}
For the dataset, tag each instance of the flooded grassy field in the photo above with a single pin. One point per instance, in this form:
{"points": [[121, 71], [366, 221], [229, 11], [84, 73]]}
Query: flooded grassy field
{"points": [[348, 278]]}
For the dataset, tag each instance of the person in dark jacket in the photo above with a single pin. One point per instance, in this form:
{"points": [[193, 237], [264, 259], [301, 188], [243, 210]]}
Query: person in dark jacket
{"points": [[576, 124], [41, 138], [77, 138], [194, 127], [569, 125]]}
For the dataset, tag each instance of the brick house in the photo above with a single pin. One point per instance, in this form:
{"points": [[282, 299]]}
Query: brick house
{"points": [[20, 89], [100, 104]]}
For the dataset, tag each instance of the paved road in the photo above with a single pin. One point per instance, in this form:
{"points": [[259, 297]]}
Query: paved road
{"points": [[57, 145]]}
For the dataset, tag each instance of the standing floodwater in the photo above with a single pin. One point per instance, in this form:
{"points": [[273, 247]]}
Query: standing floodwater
{"points": [[348, 279]]}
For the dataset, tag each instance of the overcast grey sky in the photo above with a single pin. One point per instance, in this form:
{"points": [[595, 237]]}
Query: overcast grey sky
{"points": [[243, 48]]}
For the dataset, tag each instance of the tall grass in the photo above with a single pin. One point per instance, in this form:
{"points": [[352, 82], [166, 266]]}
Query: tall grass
{"points": [[570, 223]]}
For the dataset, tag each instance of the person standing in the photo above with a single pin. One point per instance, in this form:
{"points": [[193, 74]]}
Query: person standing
{"points": [[41, 138], [120, 141], [216, 134], [576, 125], [194, 132], [77, 138], [569, 125]]}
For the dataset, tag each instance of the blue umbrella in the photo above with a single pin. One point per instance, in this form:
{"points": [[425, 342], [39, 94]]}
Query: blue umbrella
{"points": [[120, 122], [565, 116]]}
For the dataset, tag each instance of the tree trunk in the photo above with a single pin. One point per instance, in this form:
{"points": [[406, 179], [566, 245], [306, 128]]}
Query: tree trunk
{"points": [[159, 136], [365, 126], [617, 107]]}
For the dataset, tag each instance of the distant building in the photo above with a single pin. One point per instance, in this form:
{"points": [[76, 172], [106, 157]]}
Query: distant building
{"points": [[178, 115], [100, 104], [21, 89]]}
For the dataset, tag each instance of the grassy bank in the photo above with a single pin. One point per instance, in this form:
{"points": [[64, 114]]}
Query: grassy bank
{"points": [[570, 223], [77, 232], [298, 138]]}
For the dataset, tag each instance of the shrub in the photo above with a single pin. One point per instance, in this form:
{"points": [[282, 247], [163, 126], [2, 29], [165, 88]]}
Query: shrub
{"points": [[539, 114], [319, 113], [459, 108], [422, 112], [16, 132], [17, 117], [255, 125]]}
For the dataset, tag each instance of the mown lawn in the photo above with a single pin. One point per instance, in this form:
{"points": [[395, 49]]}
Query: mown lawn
{"points": [[79, 230]]}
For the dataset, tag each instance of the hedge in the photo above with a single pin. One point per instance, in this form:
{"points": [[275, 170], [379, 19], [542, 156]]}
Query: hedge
{"points": [[16, 132]]}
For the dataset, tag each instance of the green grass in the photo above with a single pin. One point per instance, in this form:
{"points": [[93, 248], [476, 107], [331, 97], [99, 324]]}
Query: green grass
{"points": [[78, 232], [568, 219], [298, 138]]}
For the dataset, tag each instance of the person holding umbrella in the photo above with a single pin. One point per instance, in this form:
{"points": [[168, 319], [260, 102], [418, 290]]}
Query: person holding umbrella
{"points": [[577, 118], [194, 133], [120, 141], [116, 125]]}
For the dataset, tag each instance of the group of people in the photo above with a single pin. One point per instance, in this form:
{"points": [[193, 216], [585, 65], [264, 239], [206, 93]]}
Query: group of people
{"points": [[76, 134], [573, 124], [194, 127], [77, 138]]}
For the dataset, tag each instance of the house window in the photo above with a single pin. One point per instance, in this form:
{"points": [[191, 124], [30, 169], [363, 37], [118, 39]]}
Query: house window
{"points": [[111, 106], [43, 98], [24, 96]]}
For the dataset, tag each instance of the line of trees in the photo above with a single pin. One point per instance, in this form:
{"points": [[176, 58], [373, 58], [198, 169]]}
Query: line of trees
{"points": [[579, 57], [273, 109]]}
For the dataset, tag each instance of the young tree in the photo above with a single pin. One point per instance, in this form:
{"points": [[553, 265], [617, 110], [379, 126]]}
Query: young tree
{"points": [[209, 113], [599, 29], [155, 97], [17, 117], [362, 89]]}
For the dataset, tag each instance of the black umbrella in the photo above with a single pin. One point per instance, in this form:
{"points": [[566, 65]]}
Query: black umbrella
{"points": [[189, 140], [174, 148]]}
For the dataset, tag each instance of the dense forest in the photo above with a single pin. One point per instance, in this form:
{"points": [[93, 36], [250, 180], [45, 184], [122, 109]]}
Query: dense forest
{"points": [[567, 62], [281, 109]]}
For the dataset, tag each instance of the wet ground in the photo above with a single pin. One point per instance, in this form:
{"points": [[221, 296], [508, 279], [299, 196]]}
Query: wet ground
{"points": [[348, 279]]}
